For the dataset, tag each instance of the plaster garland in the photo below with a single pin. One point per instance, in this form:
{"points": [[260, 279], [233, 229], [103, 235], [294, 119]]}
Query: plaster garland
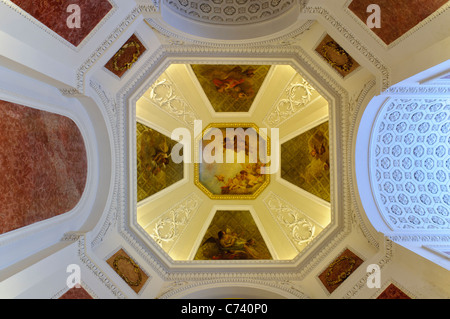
{"points": [[297, 226], [166, 96], [170, 225], [288, 105]]}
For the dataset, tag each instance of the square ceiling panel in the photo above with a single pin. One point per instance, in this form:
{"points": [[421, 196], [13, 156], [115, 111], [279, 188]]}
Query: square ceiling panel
{"points": [[230, 88], [336, 56], [126, 56]]}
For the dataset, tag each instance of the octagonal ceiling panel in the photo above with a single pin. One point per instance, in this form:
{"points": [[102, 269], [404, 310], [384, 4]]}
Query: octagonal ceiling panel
{"points": [[232, 235], [305, 161], [230, 88], [155, 168], [231, 156]]}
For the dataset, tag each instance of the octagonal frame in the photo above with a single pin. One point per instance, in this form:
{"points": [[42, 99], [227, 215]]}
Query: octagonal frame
{"points": [[204, 189]]}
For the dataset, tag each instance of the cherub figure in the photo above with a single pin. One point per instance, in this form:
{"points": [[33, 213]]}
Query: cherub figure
{"points": [[230, 242]]}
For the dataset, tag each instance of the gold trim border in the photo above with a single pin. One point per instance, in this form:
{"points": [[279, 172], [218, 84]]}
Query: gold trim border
{"points": [[197, 164]]}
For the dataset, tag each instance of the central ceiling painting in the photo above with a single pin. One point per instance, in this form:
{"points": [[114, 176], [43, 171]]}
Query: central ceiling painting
{"points": [[231, 157], [230, 88]]}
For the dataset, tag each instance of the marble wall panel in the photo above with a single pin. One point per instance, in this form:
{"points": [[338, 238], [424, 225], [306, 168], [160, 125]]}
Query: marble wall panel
{"points": [[43, 165]]}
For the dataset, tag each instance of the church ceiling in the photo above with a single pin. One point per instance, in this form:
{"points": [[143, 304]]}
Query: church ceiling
{"points": [[191, 89]]}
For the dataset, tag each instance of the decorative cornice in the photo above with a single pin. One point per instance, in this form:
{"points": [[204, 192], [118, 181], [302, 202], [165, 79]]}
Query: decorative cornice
{"points": [[108, 102], [419, 90], [354, 106], [89, 62], [291, 38], [176, 287], [80, 238]]}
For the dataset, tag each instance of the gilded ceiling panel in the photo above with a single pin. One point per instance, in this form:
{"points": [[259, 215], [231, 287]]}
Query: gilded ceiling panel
{"points": [[155, 168], [230, 88], [305, 161], [232, 235], [339, 270], [336, 56]]}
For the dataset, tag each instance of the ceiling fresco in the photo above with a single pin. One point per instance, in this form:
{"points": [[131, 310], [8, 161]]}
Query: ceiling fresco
{"points": [[240, 177], [229, 162], [230, 88], [305, 161], [232, 235], [155, 168]]}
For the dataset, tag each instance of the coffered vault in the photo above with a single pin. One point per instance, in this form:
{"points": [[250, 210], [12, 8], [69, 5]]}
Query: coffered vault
{"points": [[309, 69]]}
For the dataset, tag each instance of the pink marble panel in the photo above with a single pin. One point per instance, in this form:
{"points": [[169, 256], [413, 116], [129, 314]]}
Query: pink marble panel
{"points": [[76, 293], [397, 17], [54, 14], [43, 165]]}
